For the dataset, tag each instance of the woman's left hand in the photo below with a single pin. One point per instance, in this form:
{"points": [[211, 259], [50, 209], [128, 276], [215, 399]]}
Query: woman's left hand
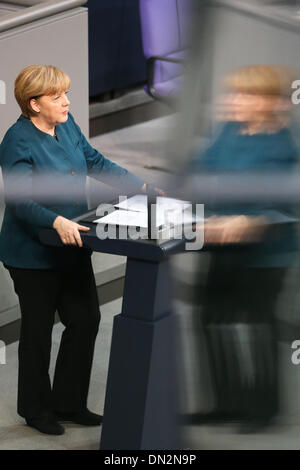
{"points": [[234, 229], [158, 191]]}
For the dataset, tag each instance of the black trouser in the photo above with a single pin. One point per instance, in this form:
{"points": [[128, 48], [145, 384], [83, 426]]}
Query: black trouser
{"points": [[73, 294], [239, 322]]}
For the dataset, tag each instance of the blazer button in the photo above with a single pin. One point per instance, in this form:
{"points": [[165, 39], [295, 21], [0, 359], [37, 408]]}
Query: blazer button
{"points": [[73, 172]]}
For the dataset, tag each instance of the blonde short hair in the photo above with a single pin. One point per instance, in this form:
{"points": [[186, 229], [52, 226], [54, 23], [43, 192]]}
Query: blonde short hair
{"points": [[261, 80], [37, 80]]}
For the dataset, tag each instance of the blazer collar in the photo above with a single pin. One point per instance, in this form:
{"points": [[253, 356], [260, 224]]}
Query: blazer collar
{"points": [[30, 124], [62, 142]]}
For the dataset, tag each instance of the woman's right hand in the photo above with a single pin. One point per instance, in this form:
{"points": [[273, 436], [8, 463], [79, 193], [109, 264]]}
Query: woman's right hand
{"points": [[68, 231]]}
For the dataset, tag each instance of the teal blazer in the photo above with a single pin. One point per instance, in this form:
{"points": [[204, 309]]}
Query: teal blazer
{"points": [[261, 153], [29, 156]]}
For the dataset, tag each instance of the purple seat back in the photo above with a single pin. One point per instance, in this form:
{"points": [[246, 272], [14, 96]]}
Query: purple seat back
{"points": [[165, 32]]}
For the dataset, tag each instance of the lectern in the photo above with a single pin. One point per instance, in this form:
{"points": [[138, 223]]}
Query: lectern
{"points": [[142, 384]]}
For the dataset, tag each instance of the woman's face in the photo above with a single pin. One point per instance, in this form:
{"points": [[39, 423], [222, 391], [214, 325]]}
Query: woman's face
{"points": [[253, 107], [244, 107], [52, 109]]}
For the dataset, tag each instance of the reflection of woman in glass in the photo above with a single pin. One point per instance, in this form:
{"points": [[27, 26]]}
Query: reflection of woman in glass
{"points": [[243, 285]]}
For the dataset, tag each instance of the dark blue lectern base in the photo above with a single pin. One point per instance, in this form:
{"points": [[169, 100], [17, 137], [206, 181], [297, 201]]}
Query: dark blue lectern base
{"points": [[141, 394]]}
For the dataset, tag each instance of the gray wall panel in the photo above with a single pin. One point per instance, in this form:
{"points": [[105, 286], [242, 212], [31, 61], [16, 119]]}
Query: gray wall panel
{"points": [[61, 40]]}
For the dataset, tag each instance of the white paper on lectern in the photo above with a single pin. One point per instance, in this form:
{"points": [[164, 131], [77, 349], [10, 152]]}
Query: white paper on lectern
{"points": [[140, 219], [135, 219], [171, 204], [138, 203], [133, 212]]}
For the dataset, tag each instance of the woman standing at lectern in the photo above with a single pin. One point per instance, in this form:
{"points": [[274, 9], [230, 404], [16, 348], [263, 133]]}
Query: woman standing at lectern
{"points": [[46, 142]]}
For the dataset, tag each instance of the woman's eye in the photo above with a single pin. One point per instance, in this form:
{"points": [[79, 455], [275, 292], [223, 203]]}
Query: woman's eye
{"points": [[60, 96]]}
